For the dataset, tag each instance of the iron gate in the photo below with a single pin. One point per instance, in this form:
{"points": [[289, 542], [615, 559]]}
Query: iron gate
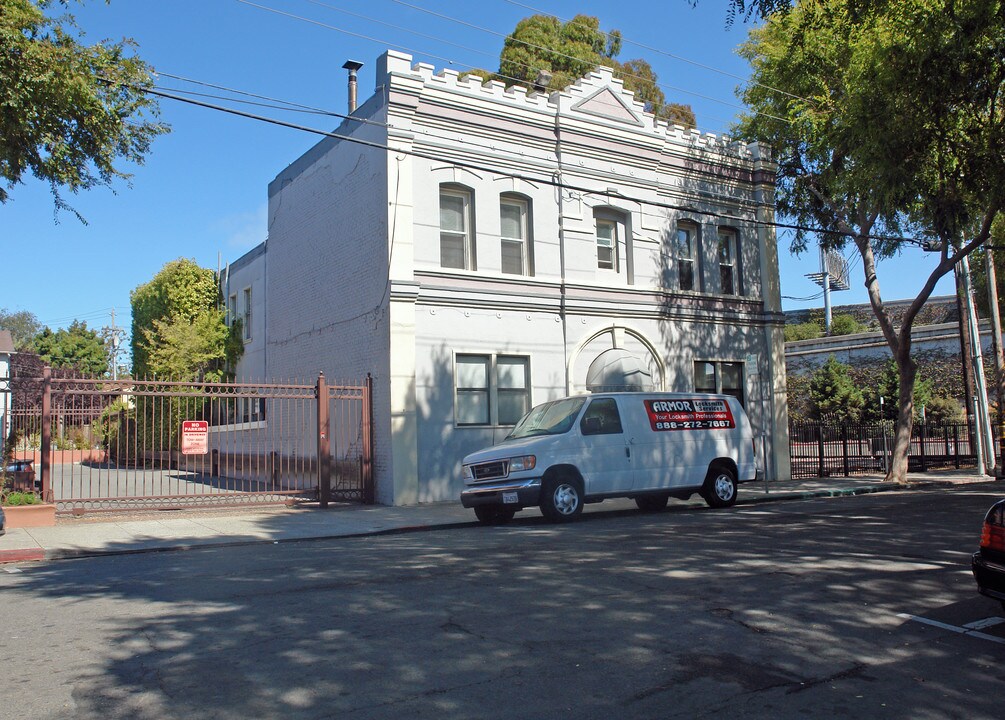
{"points": [[104, 445]]}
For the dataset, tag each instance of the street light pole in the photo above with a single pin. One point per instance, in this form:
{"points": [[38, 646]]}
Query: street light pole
{"points": [[983, 416]]}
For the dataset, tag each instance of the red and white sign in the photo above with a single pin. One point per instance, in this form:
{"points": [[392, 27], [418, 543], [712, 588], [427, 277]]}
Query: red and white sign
{"points": [[194, 437], [689, 414]]}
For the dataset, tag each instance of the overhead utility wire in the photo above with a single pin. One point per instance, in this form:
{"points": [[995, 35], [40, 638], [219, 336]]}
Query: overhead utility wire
{"points": [[664, 52], [705, 195], [560, 54], [485, 168], [461, 64]]}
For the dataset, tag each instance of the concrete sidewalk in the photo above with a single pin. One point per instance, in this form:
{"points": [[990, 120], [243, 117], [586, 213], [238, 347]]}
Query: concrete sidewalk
{"points": [[109, 534]]}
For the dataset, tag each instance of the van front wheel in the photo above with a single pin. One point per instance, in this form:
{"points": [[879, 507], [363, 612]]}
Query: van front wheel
{"points": [[561, 499], [720, 487]]}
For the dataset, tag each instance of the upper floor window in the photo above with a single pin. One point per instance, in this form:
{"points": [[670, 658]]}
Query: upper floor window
{"points": [[727, 263], [607, 244], [514, 235], [456, 235], [231, 309], [247, 313], [687, 236], [725, 378]]}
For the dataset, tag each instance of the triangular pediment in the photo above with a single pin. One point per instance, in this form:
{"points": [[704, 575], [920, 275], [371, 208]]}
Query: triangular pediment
{"points": [[609, 104]]}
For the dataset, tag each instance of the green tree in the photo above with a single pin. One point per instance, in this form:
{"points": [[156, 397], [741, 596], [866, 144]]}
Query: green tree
{"points": [[568, 51], [834, 396], [23, 327], [75, 347], [179, 329], [886, 119], [68, 111]]}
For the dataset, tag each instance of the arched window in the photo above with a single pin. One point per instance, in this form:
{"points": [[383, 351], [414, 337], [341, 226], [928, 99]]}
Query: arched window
{"points": [[515, 235], [686, 252], [457, 248], [729, 269]]}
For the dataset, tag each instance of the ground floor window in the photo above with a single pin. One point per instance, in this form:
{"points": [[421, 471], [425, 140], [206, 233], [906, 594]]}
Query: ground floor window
{"points": [[491, 389], [719, 377]]}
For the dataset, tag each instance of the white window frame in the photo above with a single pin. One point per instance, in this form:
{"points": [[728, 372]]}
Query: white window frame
{"points": [[466, 235], [232, 309], [728, 239], [609, 244], [690, 259], [246, 317], [493, 392], [523, 242]]}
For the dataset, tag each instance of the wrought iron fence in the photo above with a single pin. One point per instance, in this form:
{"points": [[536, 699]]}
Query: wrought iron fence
{"points": [[99, 444], [819, 450]]}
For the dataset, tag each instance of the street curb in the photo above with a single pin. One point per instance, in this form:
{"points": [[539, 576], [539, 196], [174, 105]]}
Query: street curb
{"points": [[39, 554]]}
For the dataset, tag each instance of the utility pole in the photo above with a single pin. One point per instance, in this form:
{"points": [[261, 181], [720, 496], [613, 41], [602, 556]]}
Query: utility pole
{"points": [[996, 347], [985, 441], [114, 337]]}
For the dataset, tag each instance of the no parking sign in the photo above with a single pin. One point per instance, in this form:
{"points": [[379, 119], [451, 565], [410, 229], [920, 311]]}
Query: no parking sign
{"points": [[194, 437]]}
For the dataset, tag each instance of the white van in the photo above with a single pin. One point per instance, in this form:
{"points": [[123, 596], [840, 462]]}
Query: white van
{"points": [[647, 446]]}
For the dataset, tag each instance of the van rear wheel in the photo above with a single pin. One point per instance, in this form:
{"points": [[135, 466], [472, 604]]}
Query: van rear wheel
{"points": [[652, 503], [719, 489], [561, 499]]}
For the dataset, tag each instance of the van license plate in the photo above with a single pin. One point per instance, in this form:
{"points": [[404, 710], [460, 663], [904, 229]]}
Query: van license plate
{"points": [[510, 498]]}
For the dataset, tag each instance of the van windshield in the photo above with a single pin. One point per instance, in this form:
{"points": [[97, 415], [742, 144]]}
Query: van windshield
{"points": [[553, 418]]}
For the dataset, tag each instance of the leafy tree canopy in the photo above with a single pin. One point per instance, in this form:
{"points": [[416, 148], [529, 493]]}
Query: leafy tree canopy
{"points": [[23, 326], [75, 347], [568, 51], [68, 111], [179, 330], [886, 119]]}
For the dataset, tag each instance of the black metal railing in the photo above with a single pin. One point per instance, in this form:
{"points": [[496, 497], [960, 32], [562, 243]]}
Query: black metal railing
{"points": [[821, 450]]}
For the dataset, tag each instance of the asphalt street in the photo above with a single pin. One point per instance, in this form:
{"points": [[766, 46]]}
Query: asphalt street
{"points": [[850, 607]]}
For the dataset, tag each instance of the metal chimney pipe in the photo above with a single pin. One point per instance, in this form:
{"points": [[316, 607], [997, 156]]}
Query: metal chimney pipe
{"points": [[352, 66]]}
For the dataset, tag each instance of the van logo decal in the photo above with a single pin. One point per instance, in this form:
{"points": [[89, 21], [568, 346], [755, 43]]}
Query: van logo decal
{"points": [[689, 414]]}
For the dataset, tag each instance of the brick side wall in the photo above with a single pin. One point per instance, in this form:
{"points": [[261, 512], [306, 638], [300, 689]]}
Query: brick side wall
{"points": [[327, 269]]}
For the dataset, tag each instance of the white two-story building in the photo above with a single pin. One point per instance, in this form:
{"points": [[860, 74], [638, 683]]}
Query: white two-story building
{"points": [[480, 249]]}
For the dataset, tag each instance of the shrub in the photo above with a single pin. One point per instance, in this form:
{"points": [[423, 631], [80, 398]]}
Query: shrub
{"points": [[13, 499], [802, 331]]}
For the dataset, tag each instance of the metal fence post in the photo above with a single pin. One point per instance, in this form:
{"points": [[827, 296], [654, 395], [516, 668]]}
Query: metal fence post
{"points": [[844, 449], [820, 448], [367, 420], [923, 435], [956, 446], [324, 443], [46, 448]]}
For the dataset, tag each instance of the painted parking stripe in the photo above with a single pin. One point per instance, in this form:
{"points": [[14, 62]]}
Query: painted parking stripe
{"points": [[953, 628]]}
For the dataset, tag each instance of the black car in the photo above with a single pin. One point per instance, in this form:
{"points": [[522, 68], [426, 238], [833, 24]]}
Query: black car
{"points": [[21, 475], [988, 563]]}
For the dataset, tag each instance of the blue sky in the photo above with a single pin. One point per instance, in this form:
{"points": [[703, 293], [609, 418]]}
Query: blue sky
{"points": [[202, 192]]}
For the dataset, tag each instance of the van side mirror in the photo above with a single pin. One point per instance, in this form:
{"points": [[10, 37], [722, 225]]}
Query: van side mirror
{"points": [[591, 426]]}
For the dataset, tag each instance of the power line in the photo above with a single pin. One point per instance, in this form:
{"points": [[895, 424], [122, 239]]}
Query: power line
{"points": [[539, 180], [472, 67], [356, 118]]}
